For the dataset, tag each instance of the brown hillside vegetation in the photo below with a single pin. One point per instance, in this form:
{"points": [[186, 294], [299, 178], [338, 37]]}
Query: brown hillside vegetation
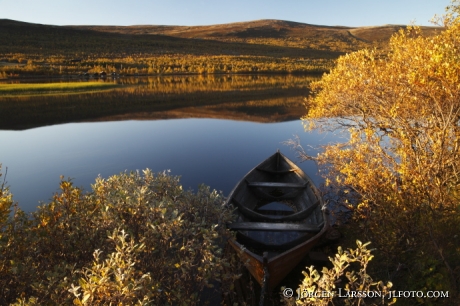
{"points": [[273, 32], [263, 46]]}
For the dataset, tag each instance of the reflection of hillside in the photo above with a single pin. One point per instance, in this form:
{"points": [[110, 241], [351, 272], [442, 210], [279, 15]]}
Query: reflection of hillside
{"points": [[264, 111], [260, 99], [179, 84]]}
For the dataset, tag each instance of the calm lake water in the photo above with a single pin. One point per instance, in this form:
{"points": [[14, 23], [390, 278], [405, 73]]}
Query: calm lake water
{"points": [[208, 130]]}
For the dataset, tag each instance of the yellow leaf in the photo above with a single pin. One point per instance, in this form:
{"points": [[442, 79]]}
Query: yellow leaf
{"points": [[85, 298]]}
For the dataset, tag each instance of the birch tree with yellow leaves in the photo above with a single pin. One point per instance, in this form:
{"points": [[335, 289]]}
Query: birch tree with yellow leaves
{"points": [[402, 156]]}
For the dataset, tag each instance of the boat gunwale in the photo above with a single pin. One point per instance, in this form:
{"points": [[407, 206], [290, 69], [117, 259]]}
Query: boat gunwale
{"points": [[298, 170], [256, 261]]}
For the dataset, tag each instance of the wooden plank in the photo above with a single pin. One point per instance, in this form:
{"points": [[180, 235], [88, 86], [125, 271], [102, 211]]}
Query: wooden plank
{"points": [[279, 227], [262, 194], [255, 216], [276, 171], [277, 185]]}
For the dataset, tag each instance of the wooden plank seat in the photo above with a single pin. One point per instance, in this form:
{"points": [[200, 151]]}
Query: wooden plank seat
{"points": [[278, 227], [268, 245], [277, 185], [255, 216], [263, 194], [276, 171]]}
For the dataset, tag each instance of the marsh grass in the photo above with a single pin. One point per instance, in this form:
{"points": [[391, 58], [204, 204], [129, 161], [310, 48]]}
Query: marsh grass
{"points": [[52, 88]]}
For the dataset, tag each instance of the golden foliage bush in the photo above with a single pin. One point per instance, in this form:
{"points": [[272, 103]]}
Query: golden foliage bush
{"points": [[6, 201], [164, 247], [115, 280], [349, 266], [402, 156]]}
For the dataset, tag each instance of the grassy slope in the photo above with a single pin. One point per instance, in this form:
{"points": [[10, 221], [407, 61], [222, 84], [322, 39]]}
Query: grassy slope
{"points": [[272, 32], [51, 88], [263, 37], [35, 39]]}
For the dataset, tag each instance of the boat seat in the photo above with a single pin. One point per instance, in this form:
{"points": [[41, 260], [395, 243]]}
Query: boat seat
{"points": [[278, 227], [264, 246], [262, 194], [277, 185], [276, 171], [255, 216]]}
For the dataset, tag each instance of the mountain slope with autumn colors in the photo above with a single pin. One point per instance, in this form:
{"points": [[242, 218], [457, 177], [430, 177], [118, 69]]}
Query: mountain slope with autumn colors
{"points": [[262, 46]]}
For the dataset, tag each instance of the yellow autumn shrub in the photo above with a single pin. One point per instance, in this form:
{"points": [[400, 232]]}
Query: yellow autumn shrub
{"points": [[347, 282], [137, 238], [401, 158]]}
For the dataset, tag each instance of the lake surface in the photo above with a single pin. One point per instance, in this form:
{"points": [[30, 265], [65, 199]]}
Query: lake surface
{"points": [[205, 130]]}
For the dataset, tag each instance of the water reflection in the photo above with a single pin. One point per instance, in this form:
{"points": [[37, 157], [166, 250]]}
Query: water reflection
{"points": [[110, 139], [258, 98]]}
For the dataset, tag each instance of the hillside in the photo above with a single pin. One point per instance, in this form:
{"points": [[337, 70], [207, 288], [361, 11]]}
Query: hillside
{"points": [[20, 37], [266, 46], [272, 32]]}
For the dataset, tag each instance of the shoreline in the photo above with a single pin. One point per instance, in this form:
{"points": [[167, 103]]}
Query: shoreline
{"points": [[108, 76]]}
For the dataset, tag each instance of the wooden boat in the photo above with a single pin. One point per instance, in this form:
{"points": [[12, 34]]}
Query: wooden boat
{"points": [[280, 217]]}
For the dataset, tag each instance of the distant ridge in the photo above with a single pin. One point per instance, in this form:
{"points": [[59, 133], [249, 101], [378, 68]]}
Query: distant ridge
{"points": [[261, 46], [273, 32], [265, 28]]}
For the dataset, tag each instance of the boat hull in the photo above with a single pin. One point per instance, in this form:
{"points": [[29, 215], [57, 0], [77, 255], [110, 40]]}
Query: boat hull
{"points": [[285, 233]]}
